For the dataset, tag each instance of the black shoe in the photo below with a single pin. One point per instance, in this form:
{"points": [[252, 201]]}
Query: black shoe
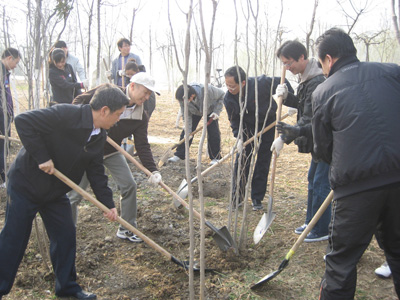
{"points": [[84, 295]]}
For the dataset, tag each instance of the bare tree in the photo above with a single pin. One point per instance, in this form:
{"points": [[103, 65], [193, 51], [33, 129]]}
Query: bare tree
{"points": [[395, 19], [312, 22], [355, 13], [369, 40]]}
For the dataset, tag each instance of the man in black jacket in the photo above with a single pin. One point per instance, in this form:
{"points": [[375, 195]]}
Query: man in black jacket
{"points": [[355, 128], [266, 113], [294, 56], [70, 138]]}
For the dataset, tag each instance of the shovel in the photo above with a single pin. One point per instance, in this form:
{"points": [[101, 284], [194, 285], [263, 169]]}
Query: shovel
{"points": [[267, 219], [183, 187], [125, 224], [222, 236], [167, 153], [301, 238]]}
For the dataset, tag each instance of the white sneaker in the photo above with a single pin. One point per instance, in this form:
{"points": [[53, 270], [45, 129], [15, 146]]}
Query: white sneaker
{"points": [[126, 234], [174, 159], [213, 162], [383, 271]]}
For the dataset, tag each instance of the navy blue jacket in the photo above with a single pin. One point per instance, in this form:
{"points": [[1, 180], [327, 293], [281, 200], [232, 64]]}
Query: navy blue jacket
{"points": [[60, 133], [265, 100]]}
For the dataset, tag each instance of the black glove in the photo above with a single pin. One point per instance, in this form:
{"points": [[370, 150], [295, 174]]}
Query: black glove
{"points": [[288, 132]]}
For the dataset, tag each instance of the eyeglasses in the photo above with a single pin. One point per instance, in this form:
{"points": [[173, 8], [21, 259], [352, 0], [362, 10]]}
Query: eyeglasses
{"points": [[287, 65]]}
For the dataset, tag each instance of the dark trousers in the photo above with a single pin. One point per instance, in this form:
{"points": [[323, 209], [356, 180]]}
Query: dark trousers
{"points": [[355, 219], [318, 190], [2, 157], [213, 139], [57, 218], [261, 169]]}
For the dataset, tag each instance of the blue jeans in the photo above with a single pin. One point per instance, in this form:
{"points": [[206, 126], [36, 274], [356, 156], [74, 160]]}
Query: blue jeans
{"points": [[318, 190]]}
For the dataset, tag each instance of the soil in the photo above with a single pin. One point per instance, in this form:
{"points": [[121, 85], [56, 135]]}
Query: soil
{"points": [[117, 269]]}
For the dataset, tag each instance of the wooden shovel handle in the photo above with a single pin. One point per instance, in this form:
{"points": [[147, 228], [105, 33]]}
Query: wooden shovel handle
{"points": [[10, 138], [148, 173], [191, 134], [100, 205], [278, 119]]}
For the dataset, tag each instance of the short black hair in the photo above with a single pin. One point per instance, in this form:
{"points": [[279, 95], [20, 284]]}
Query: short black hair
{"points": [[60, 44], [292, 49], [11, 52], [233, 72], [121, 42], [180, 92], [108, 95], [335, 42]]}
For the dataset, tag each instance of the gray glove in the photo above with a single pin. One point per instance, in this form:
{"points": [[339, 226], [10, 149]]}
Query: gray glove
{"points": [[288, 132]]}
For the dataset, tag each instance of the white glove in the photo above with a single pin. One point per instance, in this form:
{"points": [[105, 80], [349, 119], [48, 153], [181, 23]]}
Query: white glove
{"points": [[155, 178], [239, 145], [277, 145], [214, 116], [282, 90], [86, 83], [108, 73], [291, 111], [121, 73]]}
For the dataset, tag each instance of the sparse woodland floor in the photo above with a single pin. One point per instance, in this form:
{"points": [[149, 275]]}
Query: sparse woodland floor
{"points": [[116, 269]]}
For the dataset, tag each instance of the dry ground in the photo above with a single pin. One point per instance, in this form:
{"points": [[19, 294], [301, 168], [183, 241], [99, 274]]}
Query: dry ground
{"points": [[116, 269]]}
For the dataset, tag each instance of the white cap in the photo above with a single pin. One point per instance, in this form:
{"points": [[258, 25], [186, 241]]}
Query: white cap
{"points": [[144, 79]]}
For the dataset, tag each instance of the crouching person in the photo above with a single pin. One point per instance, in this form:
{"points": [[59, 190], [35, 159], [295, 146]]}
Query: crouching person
{"points": [[70, 138]]}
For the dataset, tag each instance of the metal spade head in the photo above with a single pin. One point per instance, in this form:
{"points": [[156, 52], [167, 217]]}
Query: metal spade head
{"points": [[272, 275]]}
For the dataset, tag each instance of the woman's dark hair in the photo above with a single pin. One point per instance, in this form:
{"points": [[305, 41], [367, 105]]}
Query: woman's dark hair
{"points": [[336, 43], [292, 49], [180, 92], [232, 72], [132, 65], [108, 95], [56, 55]]}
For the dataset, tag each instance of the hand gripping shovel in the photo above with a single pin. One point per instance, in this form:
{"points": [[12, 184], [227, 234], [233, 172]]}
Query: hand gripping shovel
{"points": [[222, 236], [125, 224], [168, 152], [267, 218], [301, 238], [183, 187]]}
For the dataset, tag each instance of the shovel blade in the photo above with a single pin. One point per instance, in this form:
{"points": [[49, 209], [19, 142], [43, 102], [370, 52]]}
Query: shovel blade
{"points": [[183, 189], [223, 239], [263, 226], [272, 275]]}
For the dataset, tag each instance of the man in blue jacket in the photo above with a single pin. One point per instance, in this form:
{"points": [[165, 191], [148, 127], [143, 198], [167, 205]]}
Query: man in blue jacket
{"points": [[355, 128], [70, 138], [266, 110]]}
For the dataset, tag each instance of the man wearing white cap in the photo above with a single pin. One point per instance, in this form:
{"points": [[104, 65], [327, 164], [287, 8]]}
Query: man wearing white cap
{"points": [[133, 121]]}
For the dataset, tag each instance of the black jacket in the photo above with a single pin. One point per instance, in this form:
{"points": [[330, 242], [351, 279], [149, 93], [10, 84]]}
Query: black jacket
{"points": [[64, 84], [356, 125], [311, 78], [265, 100], [59, 133]]}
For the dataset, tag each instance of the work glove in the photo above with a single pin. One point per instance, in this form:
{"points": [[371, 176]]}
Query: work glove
{"points": [[155, 178], [291, 111], [86, 84], [288, 132], [277, 145], [108, 73], [281, 90], [121, 73], [214, 116]]}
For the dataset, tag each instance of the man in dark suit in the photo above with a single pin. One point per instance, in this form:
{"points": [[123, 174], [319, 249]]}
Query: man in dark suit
{"points": [[70, 138]]}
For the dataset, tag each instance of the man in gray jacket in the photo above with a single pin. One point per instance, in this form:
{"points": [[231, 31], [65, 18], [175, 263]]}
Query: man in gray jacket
{"points": [[214, 108], [294, 56]]}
